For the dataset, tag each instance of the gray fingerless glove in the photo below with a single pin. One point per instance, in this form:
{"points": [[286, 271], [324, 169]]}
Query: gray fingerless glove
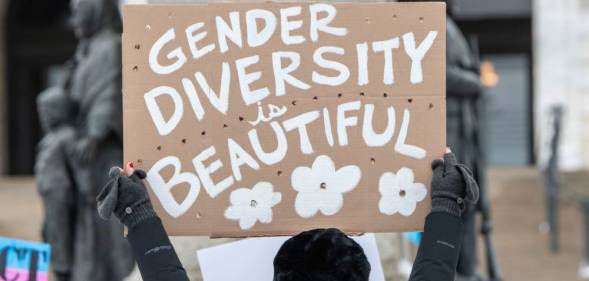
{"points": [[126, 198], [452, 186]]}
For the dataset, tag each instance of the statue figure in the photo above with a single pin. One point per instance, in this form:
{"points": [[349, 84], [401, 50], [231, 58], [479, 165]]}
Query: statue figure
{"points": [[53, 178], [73, 162]]}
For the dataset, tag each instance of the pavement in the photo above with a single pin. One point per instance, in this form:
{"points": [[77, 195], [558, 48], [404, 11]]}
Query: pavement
{"points": [[517, 197]]}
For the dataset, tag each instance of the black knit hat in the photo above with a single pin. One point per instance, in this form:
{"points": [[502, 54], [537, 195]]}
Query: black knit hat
{"points": [[321, 255]]}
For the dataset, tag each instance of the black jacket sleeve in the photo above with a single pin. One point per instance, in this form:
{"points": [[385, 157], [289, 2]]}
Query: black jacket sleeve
{"points": [[462, 82], [156, 258], [438, 252]]}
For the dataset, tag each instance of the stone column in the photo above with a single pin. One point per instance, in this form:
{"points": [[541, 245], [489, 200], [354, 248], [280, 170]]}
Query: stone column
{"points": [[560, 74]]}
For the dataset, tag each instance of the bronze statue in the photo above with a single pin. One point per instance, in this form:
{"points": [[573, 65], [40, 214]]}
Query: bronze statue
{"points": [[78, 150]]}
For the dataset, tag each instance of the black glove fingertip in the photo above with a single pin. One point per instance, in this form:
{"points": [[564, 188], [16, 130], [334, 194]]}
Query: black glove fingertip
{"points": [[449, 162], [437, 163], [114, 172], [140, 174]]}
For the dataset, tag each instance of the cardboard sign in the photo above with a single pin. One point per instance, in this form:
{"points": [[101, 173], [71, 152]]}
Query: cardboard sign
{"points": [[253, 259], [23, 260], [273, 118]]}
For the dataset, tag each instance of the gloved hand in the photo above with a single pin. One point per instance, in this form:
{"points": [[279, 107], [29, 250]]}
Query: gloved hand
{"points": [[452, 186], [126, 197]]}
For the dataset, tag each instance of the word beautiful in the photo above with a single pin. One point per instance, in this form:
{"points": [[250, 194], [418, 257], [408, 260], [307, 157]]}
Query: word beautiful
{"points": [[240, 157], [282, 64]]}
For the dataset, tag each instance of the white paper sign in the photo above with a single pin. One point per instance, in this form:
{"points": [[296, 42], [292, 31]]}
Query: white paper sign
{"points": [[252, 259]]}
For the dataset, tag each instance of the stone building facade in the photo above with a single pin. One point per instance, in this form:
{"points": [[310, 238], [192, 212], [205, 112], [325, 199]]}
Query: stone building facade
{"points": [[561, 44]]}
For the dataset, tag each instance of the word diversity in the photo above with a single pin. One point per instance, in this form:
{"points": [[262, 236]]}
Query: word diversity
{"points": [[257, 37]]}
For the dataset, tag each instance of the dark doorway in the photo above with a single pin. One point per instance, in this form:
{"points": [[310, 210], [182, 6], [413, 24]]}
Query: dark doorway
{"points": [[37, 39], [503, 37], [506, 120]]}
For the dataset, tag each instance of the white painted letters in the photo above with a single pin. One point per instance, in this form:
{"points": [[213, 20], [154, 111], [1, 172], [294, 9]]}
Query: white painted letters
{"points": [[322, 24], [300, 122], [407, 149], [371, 138], [224, 31], [283, 76], [204, 172], [343, 122], [163, 189], [256, 37], [344, 72], [245, 79], [417, 54], [176, 55], [164, 127], [194, 38]]}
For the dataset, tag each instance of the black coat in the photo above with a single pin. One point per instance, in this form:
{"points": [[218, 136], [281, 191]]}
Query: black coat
{"points": [[436, 258], [438, 252], [463, 89]]}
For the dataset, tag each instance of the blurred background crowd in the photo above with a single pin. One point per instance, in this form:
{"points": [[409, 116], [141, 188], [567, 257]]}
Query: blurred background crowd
{"points": [[526, 123]]}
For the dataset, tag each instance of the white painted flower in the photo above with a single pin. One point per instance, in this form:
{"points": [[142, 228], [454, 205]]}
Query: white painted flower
{"points": [[321, 187], [252, 205], [399, 193]]}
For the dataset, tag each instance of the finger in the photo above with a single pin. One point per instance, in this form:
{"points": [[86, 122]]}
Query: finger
{"points": [[129, 169], [449, 162], [106, 189], [448, 150], [472, 192], [472, 188], [107, 200]]}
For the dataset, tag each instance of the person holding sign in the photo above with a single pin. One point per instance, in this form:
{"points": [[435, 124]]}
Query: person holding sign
{"points": [[321, 254]]}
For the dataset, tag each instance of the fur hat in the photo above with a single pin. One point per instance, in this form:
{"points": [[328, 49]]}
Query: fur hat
{"points": [[321, 255]]}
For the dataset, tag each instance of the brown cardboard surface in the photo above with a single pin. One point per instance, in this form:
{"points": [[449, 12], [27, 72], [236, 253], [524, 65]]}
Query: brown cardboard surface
{"points": [[424, 101]]}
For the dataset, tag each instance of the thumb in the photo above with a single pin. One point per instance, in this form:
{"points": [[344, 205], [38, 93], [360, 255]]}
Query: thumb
{"points": [[107, 199], [472, 188]]}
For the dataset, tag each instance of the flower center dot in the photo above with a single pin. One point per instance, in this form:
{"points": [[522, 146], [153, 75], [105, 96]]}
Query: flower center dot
{"points": [[253, 203], [323, 185], [402, 193]]}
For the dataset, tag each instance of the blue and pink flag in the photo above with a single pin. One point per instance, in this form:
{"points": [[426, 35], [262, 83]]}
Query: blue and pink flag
{"points": [[24, 260]]}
